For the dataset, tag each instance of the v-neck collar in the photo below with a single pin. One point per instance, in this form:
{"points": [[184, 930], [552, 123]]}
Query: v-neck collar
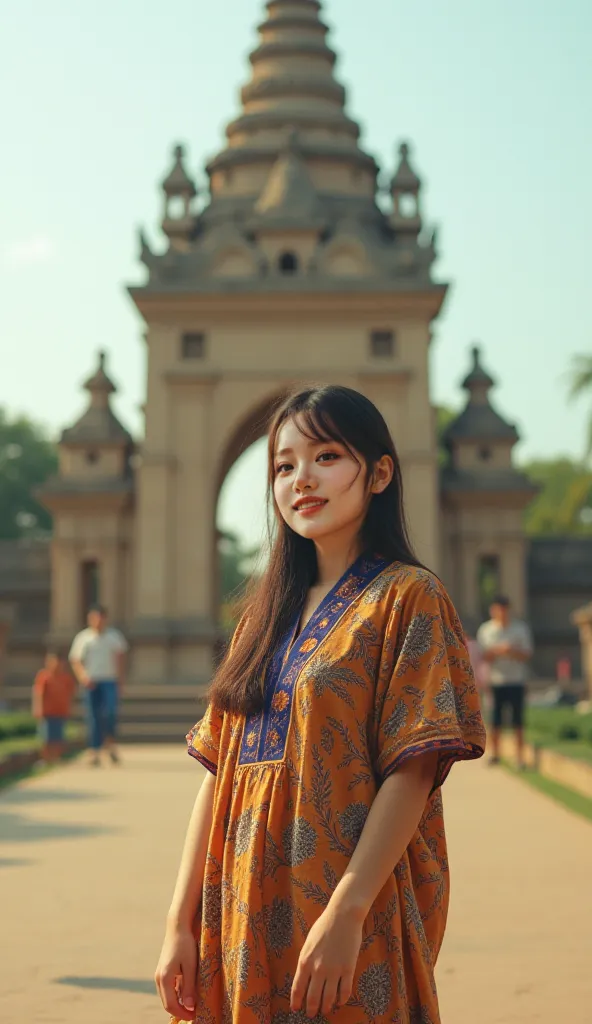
{"points": [[265, 732], [356, 577]]}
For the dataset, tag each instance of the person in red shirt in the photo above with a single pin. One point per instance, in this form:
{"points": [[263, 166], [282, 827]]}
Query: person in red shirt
{"points": [[53, 690]]}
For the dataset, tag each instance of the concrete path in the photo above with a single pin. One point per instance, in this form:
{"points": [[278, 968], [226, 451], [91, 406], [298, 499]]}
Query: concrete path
{"points": [[88, 857]]}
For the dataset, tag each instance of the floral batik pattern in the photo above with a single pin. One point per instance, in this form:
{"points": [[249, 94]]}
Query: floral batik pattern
{"points": [[380, 674]]}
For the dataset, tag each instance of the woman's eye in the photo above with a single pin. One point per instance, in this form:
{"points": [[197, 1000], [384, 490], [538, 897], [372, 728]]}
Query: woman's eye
{"points": [[283, 467], [328, 456]]}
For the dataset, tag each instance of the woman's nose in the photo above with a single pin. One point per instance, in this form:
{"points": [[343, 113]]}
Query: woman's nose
{"points": [[304, 479]]}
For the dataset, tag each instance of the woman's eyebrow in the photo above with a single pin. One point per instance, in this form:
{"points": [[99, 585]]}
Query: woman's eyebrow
{"points": [[311, 442]]}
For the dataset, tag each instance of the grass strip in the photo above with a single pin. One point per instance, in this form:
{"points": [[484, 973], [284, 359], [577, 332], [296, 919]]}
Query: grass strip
{"points": [[560, 794]]}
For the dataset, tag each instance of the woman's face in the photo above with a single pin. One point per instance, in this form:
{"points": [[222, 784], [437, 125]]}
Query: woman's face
{"points": [[319, 488]]}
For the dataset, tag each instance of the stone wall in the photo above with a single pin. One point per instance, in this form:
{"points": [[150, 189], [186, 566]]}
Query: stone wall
{"points": [[24, 608], [559, 580]]}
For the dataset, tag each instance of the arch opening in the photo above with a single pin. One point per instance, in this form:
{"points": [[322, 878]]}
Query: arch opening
{"points": [[242, 514], [288, 263]]}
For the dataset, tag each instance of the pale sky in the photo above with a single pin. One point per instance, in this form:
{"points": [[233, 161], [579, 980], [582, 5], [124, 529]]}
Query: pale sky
{"points": [[495, 98]]}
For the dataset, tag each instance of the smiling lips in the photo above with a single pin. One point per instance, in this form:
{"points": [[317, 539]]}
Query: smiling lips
{"points": [[309, 505]]}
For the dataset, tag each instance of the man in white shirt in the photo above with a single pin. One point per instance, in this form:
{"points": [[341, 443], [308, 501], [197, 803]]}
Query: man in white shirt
{"points": [[506, 644], [98, 658]]}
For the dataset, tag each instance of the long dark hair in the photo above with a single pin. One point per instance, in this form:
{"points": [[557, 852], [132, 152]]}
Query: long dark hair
{"points": [[326, 413]]}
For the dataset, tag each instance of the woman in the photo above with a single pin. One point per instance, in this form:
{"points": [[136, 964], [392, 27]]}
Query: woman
{"points": [[314, 879]]}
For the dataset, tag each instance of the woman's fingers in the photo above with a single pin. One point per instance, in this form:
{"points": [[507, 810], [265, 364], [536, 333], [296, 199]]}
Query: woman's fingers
{"points": [[345, 989], [314, 996], [187, 986], [329, 995], [299, 986], [166, 983]]}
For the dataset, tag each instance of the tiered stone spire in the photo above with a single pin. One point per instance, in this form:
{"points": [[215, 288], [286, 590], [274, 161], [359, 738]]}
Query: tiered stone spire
{"points": [[292, 83], [479, 421], [292, 195], [98, 424]]}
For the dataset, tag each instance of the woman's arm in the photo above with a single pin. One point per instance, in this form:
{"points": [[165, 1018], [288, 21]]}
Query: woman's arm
{"points": [[391, 823], [187, 895], [328, 960], [178, 958]]}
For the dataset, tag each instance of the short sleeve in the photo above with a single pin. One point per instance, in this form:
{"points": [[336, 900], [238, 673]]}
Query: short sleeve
{"points": [[527, 643], [40, 682], [429, 700], [77, 648], [203, 742], [120, 644]]}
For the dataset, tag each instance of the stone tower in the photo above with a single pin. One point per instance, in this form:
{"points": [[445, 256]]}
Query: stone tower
{"points": [[287, 269], [92, 502], [291, 271], [483, 498]]}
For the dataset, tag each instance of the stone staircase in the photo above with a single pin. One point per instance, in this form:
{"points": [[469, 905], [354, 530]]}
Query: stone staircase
{"points": [[148, 714]]}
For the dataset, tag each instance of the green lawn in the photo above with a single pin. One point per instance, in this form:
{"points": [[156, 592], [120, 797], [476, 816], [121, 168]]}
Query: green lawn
{"points": [[562, 730], [22, 737], [561, 794]]}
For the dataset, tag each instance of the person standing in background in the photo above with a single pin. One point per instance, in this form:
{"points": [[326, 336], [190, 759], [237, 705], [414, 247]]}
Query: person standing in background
{"points": [[53, 690], [506, 645], [98, 658]]}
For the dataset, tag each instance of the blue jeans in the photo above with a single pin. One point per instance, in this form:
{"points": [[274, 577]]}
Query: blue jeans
{"points": [[101, 711]]}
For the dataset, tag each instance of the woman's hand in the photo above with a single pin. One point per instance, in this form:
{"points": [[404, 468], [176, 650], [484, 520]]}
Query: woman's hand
{"points": [[176, 972], [327, 964]]}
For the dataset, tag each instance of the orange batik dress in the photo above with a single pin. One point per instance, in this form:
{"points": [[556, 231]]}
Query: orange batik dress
{"points": [[379, 674]]}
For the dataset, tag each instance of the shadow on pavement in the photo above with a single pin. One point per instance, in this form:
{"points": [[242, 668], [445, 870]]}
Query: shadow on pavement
{"points": [[14, 828], [114, 984]]}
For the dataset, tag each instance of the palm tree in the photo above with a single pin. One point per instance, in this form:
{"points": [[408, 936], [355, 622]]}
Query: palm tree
{"points": [[581, 384]]}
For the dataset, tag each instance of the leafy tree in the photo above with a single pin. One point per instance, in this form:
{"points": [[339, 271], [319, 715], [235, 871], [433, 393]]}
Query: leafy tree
{"points": [[564, 502], [236, 565], [444, 417], [27, 458], [581, 384]]}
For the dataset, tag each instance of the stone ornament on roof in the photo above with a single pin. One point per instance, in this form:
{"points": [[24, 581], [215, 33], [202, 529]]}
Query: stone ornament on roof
{"points": [[289, 194], [481, 428], [99, 381], [292, 162], [478, 378], [405, 179], [178, 182], [479, 421], [98, 424]]}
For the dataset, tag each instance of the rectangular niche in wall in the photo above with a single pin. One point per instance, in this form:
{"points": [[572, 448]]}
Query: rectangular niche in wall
{"points": [[90, 586], [193, 345], [382, 344], [488, 581]]}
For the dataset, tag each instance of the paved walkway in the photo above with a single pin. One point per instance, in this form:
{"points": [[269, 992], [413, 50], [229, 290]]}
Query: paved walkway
{"points": [[87, 862]]}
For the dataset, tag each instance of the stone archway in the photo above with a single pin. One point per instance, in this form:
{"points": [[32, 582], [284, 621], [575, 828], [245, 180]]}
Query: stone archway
{"points": [[252, 427]]}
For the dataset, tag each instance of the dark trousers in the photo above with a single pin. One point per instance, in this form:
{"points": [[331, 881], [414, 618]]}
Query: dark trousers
{"points": [[511, 696], [101, 711]]}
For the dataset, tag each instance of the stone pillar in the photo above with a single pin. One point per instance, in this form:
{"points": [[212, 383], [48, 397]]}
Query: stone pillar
{"points": [[583, 620], [65, 586], [513, 572]]}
